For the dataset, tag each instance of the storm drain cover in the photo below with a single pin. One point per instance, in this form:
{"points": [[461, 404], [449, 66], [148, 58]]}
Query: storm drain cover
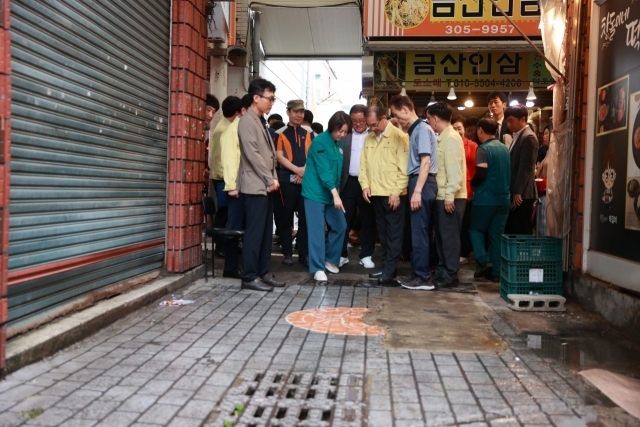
{"points": [[295, 399]]}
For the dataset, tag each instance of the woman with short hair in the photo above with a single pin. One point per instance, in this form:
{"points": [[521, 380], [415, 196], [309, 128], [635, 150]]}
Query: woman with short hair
{"points": [[322, 201]]}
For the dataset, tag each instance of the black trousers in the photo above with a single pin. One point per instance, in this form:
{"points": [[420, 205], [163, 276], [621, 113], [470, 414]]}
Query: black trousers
{"points": [[390, 229], [448, 226], [519, 221], [351, 199], [465, 238], [256, 245], [221, 216], [292, 197]]}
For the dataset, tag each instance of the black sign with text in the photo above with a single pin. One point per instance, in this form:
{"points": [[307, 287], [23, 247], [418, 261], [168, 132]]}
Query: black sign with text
{"points": [[615, 218]]}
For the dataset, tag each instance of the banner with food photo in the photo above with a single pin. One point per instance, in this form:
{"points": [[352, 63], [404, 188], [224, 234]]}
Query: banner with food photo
{"points": [[632, 211], [612, 106]]}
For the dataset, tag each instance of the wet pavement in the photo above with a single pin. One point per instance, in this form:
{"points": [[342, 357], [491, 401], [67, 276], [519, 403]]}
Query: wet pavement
{"points": [[413, 359]]}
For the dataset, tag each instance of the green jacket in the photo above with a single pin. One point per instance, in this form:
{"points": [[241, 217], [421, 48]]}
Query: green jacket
{"points": [[323, 170], [495, 189]]}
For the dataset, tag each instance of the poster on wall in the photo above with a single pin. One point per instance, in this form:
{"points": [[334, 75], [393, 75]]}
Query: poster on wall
{"points": [[632, 211], [612, 106], [389, 70], [615, 194]]}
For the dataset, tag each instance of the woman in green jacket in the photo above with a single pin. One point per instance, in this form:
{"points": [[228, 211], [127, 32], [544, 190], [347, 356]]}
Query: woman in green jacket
{"points": [[322, 202]]}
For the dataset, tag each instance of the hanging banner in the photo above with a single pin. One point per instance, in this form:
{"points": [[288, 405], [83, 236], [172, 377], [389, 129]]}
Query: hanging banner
{"points": [[615, 217], [433, 71], [446, 18]]}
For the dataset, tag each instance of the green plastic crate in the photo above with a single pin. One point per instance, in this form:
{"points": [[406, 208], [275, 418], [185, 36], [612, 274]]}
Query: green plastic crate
{"points": [[518, 271], [544, 288], [516, 247]]}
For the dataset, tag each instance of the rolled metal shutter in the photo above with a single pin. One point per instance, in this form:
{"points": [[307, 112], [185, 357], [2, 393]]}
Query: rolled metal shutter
{"points": [[89, 131]]}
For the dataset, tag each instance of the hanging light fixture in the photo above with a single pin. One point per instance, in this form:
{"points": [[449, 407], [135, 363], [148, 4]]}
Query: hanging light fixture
{"points": [[452, 93], [461, 107], [469, 102], [403, 92], [512, 100], [531, 95], [529, 104], [432, 100]]}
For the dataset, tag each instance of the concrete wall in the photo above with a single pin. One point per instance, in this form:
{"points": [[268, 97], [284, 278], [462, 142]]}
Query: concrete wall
{"points": [[618, 307]]}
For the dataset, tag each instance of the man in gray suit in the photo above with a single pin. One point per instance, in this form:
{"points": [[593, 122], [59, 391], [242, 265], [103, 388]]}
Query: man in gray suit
{"points": [[257, 178], [351, 192], [523, 153]]}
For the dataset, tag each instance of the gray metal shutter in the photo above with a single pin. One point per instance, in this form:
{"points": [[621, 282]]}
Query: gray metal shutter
{"points": [[88, 148]]}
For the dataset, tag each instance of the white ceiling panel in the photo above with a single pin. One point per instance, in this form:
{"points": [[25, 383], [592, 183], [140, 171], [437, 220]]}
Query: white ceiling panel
{"points": [[256, 5], [318, 32]]}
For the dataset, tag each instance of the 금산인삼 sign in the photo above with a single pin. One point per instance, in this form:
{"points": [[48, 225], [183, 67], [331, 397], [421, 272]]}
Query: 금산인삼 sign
{"points": [[466, 70]]}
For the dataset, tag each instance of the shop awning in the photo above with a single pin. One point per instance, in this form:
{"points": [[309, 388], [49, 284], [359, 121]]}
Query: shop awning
{"points": [[305, 29]]}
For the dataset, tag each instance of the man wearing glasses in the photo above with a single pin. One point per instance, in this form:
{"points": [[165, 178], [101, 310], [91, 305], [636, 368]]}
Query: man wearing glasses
{"points": [[257, 178], [351, 191], [383, 178]]}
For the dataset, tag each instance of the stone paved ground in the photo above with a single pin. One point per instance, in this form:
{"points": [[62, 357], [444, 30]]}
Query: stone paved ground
{"points": [[180, 366]]}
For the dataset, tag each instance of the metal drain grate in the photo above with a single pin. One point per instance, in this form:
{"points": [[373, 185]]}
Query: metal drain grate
{"points": [[296, 399]]}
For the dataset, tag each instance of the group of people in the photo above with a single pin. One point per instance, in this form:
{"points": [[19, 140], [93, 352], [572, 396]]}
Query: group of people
{"points": [[457, 194]]}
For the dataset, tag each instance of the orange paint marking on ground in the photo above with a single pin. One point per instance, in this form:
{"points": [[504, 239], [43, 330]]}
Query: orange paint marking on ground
{"points": [[337, 321]]}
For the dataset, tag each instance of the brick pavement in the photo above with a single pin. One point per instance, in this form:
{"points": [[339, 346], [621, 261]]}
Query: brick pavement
{"points": [[184, 366]]}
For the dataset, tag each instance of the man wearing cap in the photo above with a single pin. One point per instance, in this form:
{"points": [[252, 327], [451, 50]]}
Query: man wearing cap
{"points": [[291, 151]]}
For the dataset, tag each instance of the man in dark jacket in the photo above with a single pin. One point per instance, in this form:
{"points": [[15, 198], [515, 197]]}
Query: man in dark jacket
{"points": [[524, 150]]}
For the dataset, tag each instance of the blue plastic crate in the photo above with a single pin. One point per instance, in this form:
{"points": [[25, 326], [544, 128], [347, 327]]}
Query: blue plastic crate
{"points": [[516, 247]]}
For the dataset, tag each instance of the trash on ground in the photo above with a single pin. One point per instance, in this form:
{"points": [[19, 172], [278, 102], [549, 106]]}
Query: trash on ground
{"points": [[177, 302]]}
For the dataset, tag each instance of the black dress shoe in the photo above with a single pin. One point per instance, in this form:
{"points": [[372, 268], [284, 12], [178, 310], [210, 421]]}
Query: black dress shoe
{"points": [[377, 274], [494, 279], [443, 283], [256, 285], [304, 260], [270, 279], [287, 261], [388, 281], [232, 274], [482, 270]]}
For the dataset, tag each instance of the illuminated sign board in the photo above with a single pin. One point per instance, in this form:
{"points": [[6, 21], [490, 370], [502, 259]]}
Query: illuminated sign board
{"points": [[433, 71], [445, 18]]}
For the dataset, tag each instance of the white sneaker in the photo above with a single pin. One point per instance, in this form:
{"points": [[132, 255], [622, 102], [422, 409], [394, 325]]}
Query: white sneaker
{"points": [[367, 263], [320, 276], [332, 268], [343, 261], [464, 260]]}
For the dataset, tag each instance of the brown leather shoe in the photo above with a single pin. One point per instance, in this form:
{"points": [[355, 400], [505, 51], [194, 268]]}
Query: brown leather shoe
{"points": [[270, 279], [256, 285]]}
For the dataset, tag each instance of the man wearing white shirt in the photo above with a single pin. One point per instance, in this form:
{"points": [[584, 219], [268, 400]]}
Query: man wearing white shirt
{"points": [[523, 153], [497, 103], [351, 191]]}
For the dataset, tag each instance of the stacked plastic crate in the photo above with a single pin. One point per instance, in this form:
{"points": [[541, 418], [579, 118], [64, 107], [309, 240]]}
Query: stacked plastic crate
{"points": [[530, 265]]}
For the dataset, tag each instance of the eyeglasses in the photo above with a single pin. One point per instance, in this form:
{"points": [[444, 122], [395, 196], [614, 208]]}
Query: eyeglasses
{"points": [[359, 121], [270, 98], [373, 126]]}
